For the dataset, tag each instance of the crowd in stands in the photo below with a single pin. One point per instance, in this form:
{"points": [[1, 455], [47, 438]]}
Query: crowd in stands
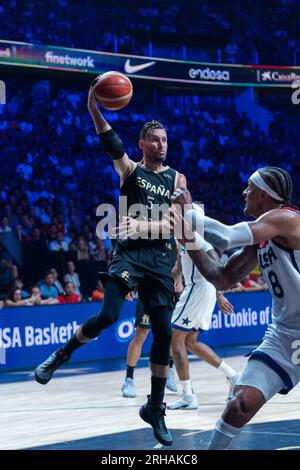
{"points": [[242, 33], [55, 174], [50, 291]]}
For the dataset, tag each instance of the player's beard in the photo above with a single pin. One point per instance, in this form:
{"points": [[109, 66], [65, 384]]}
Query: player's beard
{"points": [[159, 157]]}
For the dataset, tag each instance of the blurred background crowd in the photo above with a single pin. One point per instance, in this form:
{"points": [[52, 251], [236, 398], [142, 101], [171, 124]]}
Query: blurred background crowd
{"points": [[54, 172]]}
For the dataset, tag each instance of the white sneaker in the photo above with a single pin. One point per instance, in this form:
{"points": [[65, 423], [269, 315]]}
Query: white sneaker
{"points": [[232, 381], [128, 390], [185, 402], [170, 384]]}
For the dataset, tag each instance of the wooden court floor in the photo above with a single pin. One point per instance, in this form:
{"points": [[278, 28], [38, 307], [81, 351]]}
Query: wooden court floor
{"points": [[82, 409]]}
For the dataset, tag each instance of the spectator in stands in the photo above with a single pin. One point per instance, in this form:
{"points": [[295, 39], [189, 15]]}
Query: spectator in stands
{"points": [[51, 232], [37, 240], [14, 299], [99, 252], [59, 243], [57, 283], [4, 226], [70, 297], [8, 272], [37, 299], [248, 285], [18, 284], [82, 250], [73, 277], [98, 293], [48, 290]]}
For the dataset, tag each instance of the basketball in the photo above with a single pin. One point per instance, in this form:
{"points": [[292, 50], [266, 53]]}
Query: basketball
{"points": [[113, 90]]}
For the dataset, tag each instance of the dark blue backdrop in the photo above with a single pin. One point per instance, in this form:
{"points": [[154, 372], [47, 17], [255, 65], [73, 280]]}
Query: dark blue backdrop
{"points": [[29, 334]]}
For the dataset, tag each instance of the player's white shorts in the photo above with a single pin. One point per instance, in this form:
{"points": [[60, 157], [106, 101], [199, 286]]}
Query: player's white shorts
{"points": [[274, 367], [195, 307]]}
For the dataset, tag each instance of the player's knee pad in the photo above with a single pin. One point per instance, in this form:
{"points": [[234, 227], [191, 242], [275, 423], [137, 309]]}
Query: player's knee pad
{"points": [[160, 351]]}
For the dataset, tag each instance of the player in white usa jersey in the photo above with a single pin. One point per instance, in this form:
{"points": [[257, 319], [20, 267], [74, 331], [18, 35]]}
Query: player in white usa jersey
{"points": [[274, 238], [191, 316]]}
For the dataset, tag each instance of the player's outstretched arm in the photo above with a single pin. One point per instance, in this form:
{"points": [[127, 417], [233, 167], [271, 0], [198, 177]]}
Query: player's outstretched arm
{"points": [[223, 277], [111, 142], [269, 225]]}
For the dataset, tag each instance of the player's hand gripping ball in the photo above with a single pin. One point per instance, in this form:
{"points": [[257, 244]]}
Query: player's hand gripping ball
{"points": [[113, 90]]}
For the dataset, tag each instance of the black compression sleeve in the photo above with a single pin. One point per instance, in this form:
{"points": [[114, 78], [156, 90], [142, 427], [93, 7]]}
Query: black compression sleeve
{"points": [[112, 144]]}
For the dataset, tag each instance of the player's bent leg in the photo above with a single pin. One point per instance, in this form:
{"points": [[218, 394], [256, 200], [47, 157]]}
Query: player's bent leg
{"points": [[170, 383], [179, 353], [133, 355], [207, 354], [135, 346], [201, 350], [153, 411], [256, 384], [243, 406], [187, 400], [91, 328]]}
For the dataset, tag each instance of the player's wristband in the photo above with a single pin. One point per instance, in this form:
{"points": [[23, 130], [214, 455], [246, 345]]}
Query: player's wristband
{"points": [[197, 244], [195, 217], [112, 144]]}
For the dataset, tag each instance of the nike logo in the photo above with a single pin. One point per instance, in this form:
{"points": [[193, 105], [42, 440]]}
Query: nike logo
{"points": [[136, 68]]}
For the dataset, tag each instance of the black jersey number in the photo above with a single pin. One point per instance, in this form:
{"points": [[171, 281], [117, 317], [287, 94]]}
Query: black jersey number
{"points": [[276, 287]]}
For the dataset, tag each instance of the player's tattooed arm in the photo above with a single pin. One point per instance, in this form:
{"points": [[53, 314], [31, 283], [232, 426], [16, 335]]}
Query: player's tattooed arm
{"points": [[223, 277]]}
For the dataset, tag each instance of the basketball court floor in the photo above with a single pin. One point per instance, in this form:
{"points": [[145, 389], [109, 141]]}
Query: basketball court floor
{"points": [[82, 408]]}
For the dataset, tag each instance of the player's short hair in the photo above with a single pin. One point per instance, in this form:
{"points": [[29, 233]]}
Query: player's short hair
{"points": [[149, 127], [279, 180]]}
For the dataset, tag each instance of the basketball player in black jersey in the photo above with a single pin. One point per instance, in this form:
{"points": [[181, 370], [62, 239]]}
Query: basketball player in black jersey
{"points": [[142, 263]]}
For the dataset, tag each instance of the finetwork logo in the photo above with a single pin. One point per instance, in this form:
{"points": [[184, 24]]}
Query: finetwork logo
{"points": [[68, 60], [2, 92], [210, 74], [275, 76]]}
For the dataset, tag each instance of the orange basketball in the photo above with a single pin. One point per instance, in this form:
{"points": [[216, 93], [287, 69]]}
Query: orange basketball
{"points": [[113, 90]]}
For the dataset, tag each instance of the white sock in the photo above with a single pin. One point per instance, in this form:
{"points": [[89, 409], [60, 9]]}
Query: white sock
{"points": [[187, 386], [227, 370], [223, 435]]}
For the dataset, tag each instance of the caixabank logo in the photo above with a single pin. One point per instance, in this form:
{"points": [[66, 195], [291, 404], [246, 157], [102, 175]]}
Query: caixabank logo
{"points": [[2, 92], [276, 76]]}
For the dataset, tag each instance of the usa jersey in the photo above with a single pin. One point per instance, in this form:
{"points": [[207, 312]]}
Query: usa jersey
{"points": [[190, 273], [281, 270]]}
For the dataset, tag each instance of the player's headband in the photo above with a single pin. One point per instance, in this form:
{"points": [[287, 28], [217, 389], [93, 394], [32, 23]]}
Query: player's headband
{"points": [[257, 179]]}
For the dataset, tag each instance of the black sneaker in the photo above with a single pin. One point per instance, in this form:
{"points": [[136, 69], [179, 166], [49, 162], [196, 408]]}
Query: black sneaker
{"points": [[155, 417], [43, 373]]}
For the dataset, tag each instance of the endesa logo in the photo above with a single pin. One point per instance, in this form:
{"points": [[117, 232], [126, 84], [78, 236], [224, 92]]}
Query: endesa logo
{"points": [[276, 76], [209, 74], [125, 330]]}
